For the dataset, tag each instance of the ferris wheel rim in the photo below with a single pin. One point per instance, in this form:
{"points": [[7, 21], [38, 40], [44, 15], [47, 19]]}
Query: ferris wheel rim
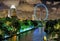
{"points": [[35, 9]]}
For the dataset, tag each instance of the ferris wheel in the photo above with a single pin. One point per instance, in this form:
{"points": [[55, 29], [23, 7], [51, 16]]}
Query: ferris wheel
{"points": [[43, 17], [43, 12]]}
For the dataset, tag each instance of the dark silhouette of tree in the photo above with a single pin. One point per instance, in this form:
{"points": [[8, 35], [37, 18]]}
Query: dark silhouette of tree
{"points": [[0, 37]]}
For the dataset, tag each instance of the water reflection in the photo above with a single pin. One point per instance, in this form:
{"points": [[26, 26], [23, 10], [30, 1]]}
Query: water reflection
{"points": [[28, 36]]}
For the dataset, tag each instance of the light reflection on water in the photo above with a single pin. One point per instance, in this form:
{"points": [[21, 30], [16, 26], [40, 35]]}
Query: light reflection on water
{"points": [[38, 34], [28, 36]]}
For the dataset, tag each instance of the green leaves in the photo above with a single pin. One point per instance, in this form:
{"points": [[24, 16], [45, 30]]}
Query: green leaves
{"points": [[9, 25], [57, 26], [53, 28]]}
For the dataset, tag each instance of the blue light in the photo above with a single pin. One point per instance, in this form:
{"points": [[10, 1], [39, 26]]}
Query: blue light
{"points": [[29, 28], [6, 36], [38, 35]]}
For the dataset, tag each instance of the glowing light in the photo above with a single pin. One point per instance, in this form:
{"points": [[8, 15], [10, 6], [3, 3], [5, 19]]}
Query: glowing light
{"points": [[6, 36], [45, 38], [13, 7], [29, 28]]}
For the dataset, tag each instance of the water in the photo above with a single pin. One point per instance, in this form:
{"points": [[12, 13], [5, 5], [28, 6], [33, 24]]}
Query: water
{"points": [[38, 35]]}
